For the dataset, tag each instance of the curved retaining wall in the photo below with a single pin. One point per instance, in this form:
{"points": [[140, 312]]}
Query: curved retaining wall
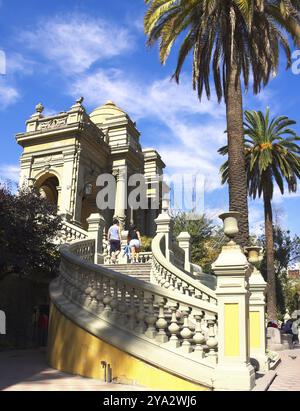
{"points": [[74, 350]]}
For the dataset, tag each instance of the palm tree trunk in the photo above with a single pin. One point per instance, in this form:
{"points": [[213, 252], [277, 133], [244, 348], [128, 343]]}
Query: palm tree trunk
{"points": [[238, 200], [271, 289]]}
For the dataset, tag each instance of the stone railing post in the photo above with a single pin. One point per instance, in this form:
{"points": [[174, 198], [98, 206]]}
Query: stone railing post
{"points": [[257, 287], [164, 224], [95, 231], [184, 242], [233, 371]]}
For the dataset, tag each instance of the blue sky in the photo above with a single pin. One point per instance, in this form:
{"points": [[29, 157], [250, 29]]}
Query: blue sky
{"points": [[60, 50]]}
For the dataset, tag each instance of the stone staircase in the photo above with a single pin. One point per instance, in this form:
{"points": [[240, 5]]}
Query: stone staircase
{"points": [[140, 271]]}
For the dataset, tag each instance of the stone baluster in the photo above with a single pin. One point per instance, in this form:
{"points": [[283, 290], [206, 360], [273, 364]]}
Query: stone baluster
{"points": [[198, 294], [185, 332], [123, 308], [161, 323], [150, 317], [107, 300], [114, 302], [205, 297], [173, 327], [198, 337], [141, 314], [93, 295], [87, 299], [132, 310], [212, 342], [191, 291], [100, 296]]}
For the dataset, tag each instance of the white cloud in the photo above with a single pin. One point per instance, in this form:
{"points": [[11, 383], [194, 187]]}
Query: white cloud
{"points": [[74, 42], [9, 172], [9, 94], [18, 64], [195, 130]]}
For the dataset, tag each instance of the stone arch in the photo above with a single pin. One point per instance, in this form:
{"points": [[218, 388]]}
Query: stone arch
{"points": [[47, 184]]}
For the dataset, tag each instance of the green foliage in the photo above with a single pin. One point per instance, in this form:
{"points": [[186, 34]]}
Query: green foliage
{"points": [[272, 154], [286, 251], [146, 243], [206, 239], [28, 225]]}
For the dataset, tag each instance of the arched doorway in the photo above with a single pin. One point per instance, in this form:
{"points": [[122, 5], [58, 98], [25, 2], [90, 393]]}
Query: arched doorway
{"points": [[47, 186]]}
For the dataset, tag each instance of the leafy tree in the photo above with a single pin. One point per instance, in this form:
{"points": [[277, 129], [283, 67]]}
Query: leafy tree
{"points": [[28, 225], [272, 157], [230, 41], [206, 239]]}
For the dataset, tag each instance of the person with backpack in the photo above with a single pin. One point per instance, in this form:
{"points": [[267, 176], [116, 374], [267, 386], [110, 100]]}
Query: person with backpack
{"points": [[135, 242]]}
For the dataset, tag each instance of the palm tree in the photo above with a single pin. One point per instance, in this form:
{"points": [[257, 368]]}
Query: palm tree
{"points": [[272, 158], [230, 39]]}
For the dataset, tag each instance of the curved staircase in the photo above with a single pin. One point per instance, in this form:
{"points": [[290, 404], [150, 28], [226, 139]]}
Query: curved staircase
{"points": [[140, 271], [154, 323]]}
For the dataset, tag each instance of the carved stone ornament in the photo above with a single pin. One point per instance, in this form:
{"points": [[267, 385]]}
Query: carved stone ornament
{"points": [[53, 124]]}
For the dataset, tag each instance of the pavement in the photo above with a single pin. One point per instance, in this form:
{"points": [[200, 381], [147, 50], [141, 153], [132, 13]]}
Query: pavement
{"points": [[27, 370], [288, 372]]}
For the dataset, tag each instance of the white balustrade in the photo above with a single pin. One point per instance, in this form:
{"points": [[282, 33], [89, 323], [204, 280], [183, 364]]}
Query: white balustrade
{"points": [[167, 318]]}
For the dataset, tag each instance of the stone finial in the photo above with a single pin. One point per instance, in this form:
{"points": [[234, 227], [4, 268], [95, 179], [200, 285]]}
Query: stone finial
{"points": [[80, 100], [39, 108]]}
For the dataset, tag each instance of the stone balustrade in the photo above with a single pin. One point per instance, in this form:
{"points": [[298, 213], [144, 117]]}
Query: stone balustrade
{"points": [[167, 275], [175, 321], [70, 232]]}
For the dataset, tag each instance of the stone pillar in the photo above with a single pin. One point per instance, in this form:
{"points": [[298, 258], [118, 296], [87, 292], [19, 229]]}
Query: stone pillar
{"points": [[121, 195], [184, 242], [164, 224], [257, 287], [233, 371], [95, 231]]}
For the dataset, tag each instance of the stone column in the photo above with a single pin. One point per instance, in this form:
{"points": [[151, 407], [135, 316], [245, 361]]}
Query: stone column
{"points": [[184, 242], [257, 287], [95, 231], [233, 371], [121, 195]]}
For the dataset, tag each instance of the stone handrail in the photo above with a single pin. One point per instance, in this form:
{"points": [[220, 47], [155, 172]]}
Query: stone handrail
{"points": [[167, 275], [177, 323]]}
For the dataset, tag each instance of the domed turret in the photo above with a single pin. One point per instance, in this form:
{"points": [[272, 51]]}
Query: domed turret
{"points": [[102, 113]]}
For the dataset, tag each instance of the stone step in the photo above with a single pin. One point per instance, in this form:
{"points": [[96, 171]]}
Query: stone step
{"points": [[139, 271]]}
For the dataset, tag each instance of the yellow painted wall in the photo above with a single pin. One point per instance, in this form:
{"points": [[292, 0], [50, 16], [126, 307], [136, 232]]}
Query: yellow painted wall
{"points": [[74, 350], [231, 335], [255, 336]]}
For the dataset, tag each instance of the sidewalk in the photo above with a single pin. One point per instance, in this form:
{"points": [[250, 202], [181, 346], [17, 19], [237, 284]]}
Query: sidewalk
{"points": [[27, 371], [288, 372]]}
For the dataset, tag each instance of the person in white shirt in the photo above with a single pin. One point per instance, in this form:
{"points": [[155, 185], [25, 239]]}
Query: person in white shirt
{"points": [[114, 238]]}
